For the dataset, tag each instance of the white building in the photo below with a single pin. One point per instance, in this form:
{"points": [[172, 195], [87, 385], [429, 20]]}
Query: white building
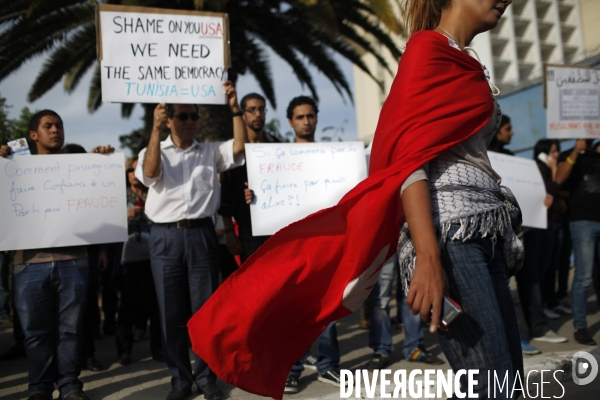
{"points": [[530, 34]]}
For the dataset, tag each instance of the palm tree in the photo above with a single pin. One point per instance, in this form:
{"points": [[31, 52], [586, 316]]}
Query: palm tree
{"points": [[301, 32]]}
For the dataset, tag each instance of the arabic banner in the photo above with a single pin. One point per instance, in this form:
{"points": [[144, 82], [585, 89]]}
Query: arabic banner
{"points": [[572, 97]]}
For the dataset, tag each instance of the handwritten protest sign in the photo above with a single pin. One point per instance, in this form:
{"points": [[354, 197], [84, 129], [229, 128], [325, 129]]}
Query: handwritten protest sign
{"points": [[293, 180], [523, 177], [572, 102], [153, 55], [62, 200]]}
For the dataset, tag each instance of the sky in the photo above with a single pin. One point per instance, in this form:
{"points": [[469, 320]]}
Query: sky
{"points": [[106, 125]]}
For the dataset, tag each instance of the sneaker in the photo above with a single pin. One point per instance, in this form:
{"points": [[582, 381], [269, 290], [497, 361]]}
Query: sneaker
{"points": [[563, 310], [378, 361], [527, 348], [551, 314], [551, 337], [91, 364], [211, 391], [310, 362], [422, 355], [583, 336], [332, 377], [291, 385], [124, 359], [77, 396]]}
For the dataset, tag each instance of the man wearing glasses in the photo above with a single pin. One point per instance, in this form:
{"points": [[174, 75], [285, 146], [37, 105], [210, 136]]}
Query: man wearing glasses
{"points": [[183, 194], [235, 182]]}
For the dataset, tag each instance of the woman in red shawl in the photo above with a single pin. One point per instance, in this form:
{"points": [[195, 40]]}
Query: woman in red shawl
{"points": [[458, 238], [430, 144]]}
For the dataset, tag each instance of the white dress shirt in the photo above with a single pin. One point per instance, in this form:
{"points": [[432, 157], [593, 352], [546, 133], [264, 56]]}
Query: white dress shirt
{"points": [[187, 186]]}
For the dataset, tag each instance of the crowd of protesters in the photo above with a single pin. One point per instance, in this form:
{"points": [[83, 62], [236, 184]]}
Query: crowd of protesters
{"points": [[189, 229]]}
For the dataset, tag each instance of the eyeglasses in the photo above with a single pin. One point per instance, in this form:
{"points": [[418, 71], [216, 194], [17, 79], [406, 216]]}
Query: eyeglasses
{"points": [[129, 170], [252, 110], [184, 116]]}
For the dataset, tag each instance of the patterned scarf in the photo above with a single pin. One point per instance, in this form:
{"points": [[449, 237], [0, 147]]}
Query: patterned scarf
{"points": [[464, 195]]}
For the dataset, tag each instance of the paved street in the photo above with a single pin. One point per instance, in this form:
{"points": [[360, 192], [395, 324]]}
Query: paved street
{"points": [[149, 379]]}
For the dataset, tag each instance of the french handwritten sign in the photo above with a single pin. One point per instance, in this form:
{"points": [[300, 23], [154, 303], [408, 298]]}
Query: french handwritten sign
{"points": [[523, 177], [62, 200], [153, 55], [572, 102], [293, 180]]}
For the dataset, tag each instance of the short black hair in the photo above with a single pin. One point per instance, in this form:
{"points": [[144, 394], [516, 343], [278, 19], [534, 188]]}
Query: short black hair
{"points": [[299, 101], [171, 109], [72, 148], [251, 96], [34, 121]]}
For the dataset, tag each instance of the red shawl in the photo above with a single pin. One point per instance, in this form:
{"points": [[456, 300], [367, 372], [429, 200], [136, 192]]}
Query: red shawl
{"points": [[320, 269]]}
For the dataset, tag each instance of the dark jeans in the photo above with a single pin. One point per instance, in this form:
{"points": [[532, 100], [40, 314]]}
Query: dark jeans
{"points": [[529, 282], [486, 337], [185, 264], [552, 247], [586, 246], [4, 293], [227, 263], [564, 263], [50, 299], [329, 353], [91, 316], [137, 291], [108, 279]]}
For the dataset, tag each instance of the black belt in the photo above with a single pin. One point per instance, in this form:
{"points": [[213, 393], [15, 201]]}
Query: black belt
{"points": [[189, 223]]}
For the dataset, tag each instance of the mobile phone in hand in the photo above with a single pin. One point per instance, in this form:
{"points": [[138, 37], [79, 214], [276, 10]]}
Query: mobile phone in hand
{"points": [[452, 311]]}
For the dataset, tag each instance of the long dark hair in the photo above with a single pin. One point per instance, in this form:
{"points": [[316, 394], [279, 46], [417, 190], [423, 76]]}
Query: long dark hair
{"points": [[544, 146]]}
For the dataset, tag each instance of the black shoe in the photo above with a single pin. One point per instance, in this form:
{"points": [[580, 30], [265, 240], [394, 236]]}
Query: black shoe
{"points": [[378, 361], [332, 377], [77, 396], [177, 394], [291, 385], [583, 336], [211, 391], [158, 355], [40, 396], [422, 355], [14, 353], [309, 362], [92, 364], [124, 359]]}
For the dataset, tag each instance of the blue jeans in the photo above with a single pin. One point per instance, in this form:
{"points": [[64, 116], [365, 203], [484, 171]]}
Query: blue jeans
{"points": [[486, 337], [4, 294], [380, 333], [329, 353], [185, 267], [50, 299], [586, 246]]}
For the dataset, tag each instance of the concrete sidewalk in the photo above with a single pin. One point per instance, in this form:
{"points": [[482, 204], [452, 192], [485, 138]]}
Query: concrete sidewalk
{"points": [[149, 379]]}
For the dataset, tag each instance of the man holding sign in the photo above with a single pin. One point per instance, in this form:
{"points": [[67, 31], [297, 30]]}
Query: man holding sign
{"points": [[183, 195], [50, 292]]}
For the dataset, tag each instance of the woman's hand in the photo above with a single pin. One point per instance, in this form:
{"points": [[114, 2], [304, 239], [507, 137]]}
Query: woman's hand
{"points": [[427, 289], [429, 283]]}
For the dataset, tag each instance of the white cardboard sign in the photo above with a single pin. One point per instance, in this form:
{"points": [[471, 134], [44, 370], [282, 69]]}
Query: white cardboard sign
{"points": [[62, 200], [523, 177], [151, 55], [293, 180], [573, 102]]}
